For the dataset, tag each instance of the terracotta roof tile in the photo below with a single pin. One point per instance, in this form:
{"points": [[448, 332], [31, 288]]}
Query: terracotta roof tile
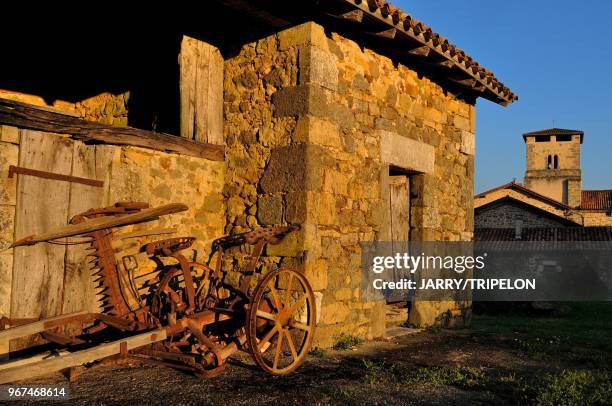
{"points": [[554, 131], [596, 200], [405, 21], [545, 234]]}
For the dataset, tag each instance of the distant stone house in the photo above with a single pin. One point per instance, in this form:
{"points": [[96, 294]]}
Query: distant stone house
{"points": [[552, 195], [350, 118]]}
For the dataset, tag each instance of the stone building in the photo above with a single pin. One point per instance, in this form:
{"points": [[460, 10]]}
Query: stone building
{"points": [[552, 194], [349, 118]]}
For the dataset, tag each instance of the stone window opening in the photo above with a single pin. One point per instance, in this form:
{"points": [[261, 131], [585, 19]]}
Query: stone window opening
{"points": [[556, 162], [564, 138], [549, 162]]}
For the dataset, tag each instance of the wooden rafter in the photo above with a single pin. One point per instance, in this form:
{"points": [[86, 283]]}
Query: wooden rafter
{"points": [[24, 115]]}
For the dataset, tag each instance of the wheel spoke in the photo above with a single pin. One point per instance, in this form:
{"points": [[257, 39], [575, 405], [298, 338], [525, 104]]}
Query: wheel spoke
{"points": [[279, 347], [275, 298], [298, 303], [290, 342], [266, 315], [267, 337], [301, 326], [288, 294]]}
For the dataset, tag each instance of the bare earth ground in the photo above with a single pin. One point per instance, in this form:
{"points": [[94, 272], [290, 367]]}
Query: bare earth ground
{"points": [[503, 360]]}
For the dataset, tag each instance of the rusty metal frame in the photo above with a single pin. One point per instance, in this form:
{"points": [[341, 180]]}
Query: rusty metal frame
{"points": [[53, 176], [189, 323]]}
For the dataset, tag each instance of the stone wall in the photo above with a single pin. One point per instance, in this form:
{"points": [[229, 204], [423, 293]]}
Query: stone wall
{"points": [[306, 116], [596, 218], [505, 215], [105, 108], [560, 211]]}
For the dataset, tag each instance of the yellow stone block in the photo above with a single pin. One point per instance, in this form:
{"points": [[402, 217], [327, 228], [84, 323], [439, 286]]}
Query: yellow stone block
{"points": [[317, 131], [462, 123], [304, 34], [316, 273], [334, 313], [343, 294], [335, 182], [326, 208]]}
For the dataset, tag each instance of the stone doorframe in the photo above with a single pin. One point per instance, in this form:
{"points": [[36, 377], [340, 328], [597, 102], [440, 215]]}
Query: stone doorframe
{"points": [[417, 158]]}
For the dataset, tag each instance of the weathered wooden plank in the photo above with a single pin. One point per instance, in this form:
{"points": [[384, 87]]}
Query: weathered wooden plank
{"points": [[102, 223], [399, 204], [31, 117], [400, 207], [42, 205], [37, 326], [80, 357], [79, 286], [201, 88]]}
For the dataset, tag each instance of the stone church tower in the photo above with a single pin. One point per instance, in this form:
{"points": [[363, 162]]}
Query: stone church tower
{"points": [[553, 164]]}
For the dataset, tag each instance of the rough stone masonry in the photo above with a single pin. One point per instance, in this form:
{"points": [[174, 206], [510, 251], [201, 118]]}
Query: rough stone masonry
{"points": [[312, 125]]}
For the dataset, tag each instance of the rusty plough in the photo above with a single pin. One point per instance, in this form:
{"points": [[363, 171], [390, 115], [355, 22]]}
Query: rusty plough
{"points": [[191, 318]]}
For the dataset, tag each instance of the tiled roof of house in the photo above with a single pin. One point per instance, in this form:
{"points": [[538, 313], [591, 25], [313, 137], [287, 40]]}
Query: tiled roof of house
{"points": [[596, 200], [418, 30], [545, 234], [520, 188], [553, 131]]}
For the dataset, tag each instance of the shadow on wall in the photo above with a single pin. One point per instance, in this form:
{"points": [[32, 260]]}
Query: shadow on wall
{"points": [[73, 59], [75, 65]]}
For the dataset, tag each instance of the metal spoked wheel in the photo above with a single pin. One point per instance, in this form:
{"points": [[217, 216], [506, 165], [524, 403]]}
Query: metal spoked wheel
{"points": [[281, 321]]}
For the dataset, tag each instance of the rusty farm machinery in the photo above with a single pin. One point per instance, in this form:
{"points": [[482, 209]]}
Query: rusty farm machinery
{"points": [[191, 319]]}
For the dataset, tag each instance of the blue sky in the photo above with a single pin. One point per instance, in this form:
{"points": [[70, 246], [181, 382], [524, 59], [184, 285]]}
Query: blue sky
{"points": [[556, 55]]}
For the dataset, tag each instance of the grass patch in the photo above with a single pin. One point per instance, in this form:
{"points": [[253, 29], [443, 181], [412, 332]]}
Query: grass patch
{"points": [[586, 323], [317, 352], [459, 376], [346, 341], [345, 395], [572, 387], [582, 335]]}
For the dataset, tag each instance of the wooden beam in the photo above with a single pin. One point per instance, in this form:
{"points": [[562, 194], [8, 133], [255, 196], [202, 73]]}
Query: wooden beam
{"points": [[389, 34], [100, 223], [98, 352], [353, 15], [447, 63], [420, 51], [24, 115], [40, 326], [464, 82]]}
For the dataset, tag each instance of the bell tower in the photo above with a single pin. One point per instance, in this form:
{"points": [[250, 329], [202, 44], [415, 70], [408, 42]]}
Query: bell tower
{"points": [[553, 164]]}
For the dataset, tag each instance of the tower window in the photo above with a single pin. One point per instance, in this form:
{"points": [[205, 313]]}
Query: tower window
{"points": [[549, 162], [564, 138], [556, 162], [543, 138]]}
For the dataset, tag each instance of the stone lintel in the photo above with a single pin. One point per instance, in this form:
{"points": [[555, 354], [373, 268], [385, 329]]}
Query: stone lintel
{"points": [[406, 153]]}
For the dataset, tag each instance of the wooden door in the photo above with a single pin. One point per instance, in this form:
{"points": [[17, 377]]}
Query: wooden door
{"points": [[51, 279], [399, 217]]}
